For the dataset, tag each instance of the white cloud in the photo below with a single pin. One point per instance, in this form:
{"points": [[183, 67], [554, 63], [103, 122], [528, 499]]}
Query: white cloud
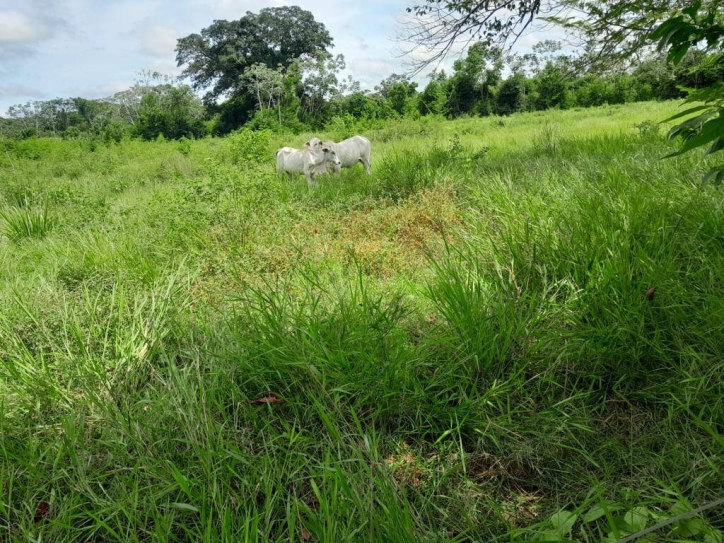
{"points": [[232, 9], [19, 28], [372, 70], [536, 35], [19, 91], [159, 41], [99, 91], [165, 66]]}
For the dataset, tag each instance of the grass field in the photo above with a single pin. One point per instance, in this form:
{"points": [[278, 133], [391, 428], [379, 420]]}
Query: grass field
{"points": [[512, 330]]}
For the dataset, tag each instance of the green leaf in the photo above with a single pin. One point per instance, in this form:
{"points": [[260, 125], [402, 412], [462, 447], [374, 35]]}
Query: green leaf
{"points": [[685, 113], [713, 536], [600, 509], [184, 507], [709, 94], [666, 27], [677, 52], [679, 508], [563, 522], [710, 131], [718, 145], [689, 527], [552, 536], [693, 10], [716, 176], [691, 123], [637, 518], [620, 523], [181, 479]]}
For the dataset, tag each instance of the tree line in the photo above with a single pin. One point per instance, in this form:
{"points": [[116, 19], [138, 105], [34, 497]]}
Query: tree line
{"points": [[273, 70]]}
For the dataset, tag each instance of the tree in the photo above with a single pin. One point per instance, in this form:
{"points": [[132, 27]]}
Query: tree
{"points": [[432, 99], [387, 83], [553, 80], [401, 95], [513, 95], [694, 25], [172, 111], [318, 83], [697, 70], [470, 87], [616, 28], [267, 85], [92, 112], [361, 105], [654, 78], [217, 57]]}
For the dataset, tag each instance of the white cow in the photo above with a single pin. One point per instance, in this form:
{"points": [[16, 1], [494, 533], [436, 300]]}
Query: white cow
{"points": [[350, 151], [309, 161]]}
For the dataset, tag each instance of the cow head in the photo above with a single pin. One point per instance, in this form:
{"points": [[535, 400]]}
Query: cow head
{"points": [[314, 143], [331, 156]]}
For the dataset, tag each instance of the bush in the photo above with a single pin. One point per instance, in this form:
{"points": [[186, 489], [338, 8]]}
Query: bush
{"points": [[512, 96], [342, 127], [648, 129], [268, 119], [171, 111], [113, 132], [72, 133], [249, 145]]}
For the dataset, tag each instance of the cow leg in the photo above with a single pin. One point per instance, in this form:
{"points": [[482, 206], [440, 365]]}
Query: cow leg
{"points": [[366, 164]]}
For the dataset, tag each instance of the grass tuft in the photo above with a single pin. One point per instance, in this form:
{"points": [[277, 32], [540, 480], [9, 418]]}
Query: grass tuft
{"points": [[21, 223]]}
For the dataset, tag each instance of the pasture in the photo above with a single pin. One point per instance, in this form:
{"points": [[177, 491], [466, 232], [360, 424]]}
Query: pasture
{"points": [[511, 326]]}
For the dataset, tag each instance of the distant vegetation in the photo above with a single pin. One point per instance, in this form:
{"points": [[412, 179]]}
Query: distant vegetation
{"points": [[281, 77]]}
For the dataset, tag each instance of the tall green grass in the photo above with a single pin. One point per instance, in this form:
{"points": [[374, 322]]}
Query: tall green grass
{"points": [[21, 223], [509, 331]]}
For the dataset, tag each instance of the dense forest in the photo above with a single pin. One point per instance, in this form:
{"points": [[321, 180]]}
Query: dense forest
{"points": [[274, 70]]}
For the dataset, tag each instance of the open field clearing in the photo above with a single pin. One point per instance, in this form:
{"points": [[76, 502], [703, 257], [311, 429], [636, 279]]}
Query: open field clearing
{"points": [[509, 318]]}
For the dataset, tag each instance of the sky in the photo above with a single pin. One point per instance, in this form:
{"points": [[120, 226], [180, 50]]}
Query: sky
{"points": [[94, 48]]}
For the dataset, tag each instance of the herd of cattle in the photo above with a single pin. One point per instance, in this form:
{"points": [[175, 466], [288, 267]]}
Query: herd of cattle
{"points": [[320, 157]]}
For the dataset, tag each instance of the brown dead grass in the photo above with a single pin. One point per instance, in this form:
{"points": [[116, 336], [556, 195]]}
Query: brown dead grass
{"points": [[520, 508], [387, 240], [405, 467]]}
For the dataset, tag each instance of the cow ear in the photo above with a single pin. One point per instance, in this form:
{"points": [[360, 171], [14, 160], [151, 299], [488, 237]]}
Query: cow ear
{"points": [[307, 144]]}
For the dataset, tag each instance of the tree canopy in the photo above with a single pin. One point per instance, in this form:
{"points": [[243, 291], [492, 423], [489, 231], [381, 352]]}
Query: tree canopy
{"points": [[217, 57]]}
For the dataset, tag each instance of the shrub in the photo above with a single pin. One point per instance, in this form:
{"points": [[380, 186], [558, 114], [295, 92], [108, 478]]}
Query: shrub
{"points": [[173, 112], [648, 129], [342, 127], [249, 145], [113, 132]]}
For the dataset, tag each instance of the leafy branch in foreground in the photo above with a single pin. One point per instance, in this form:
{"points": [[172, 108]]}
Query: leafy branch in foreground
{"points": [[686, 29], [613, 30]]}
